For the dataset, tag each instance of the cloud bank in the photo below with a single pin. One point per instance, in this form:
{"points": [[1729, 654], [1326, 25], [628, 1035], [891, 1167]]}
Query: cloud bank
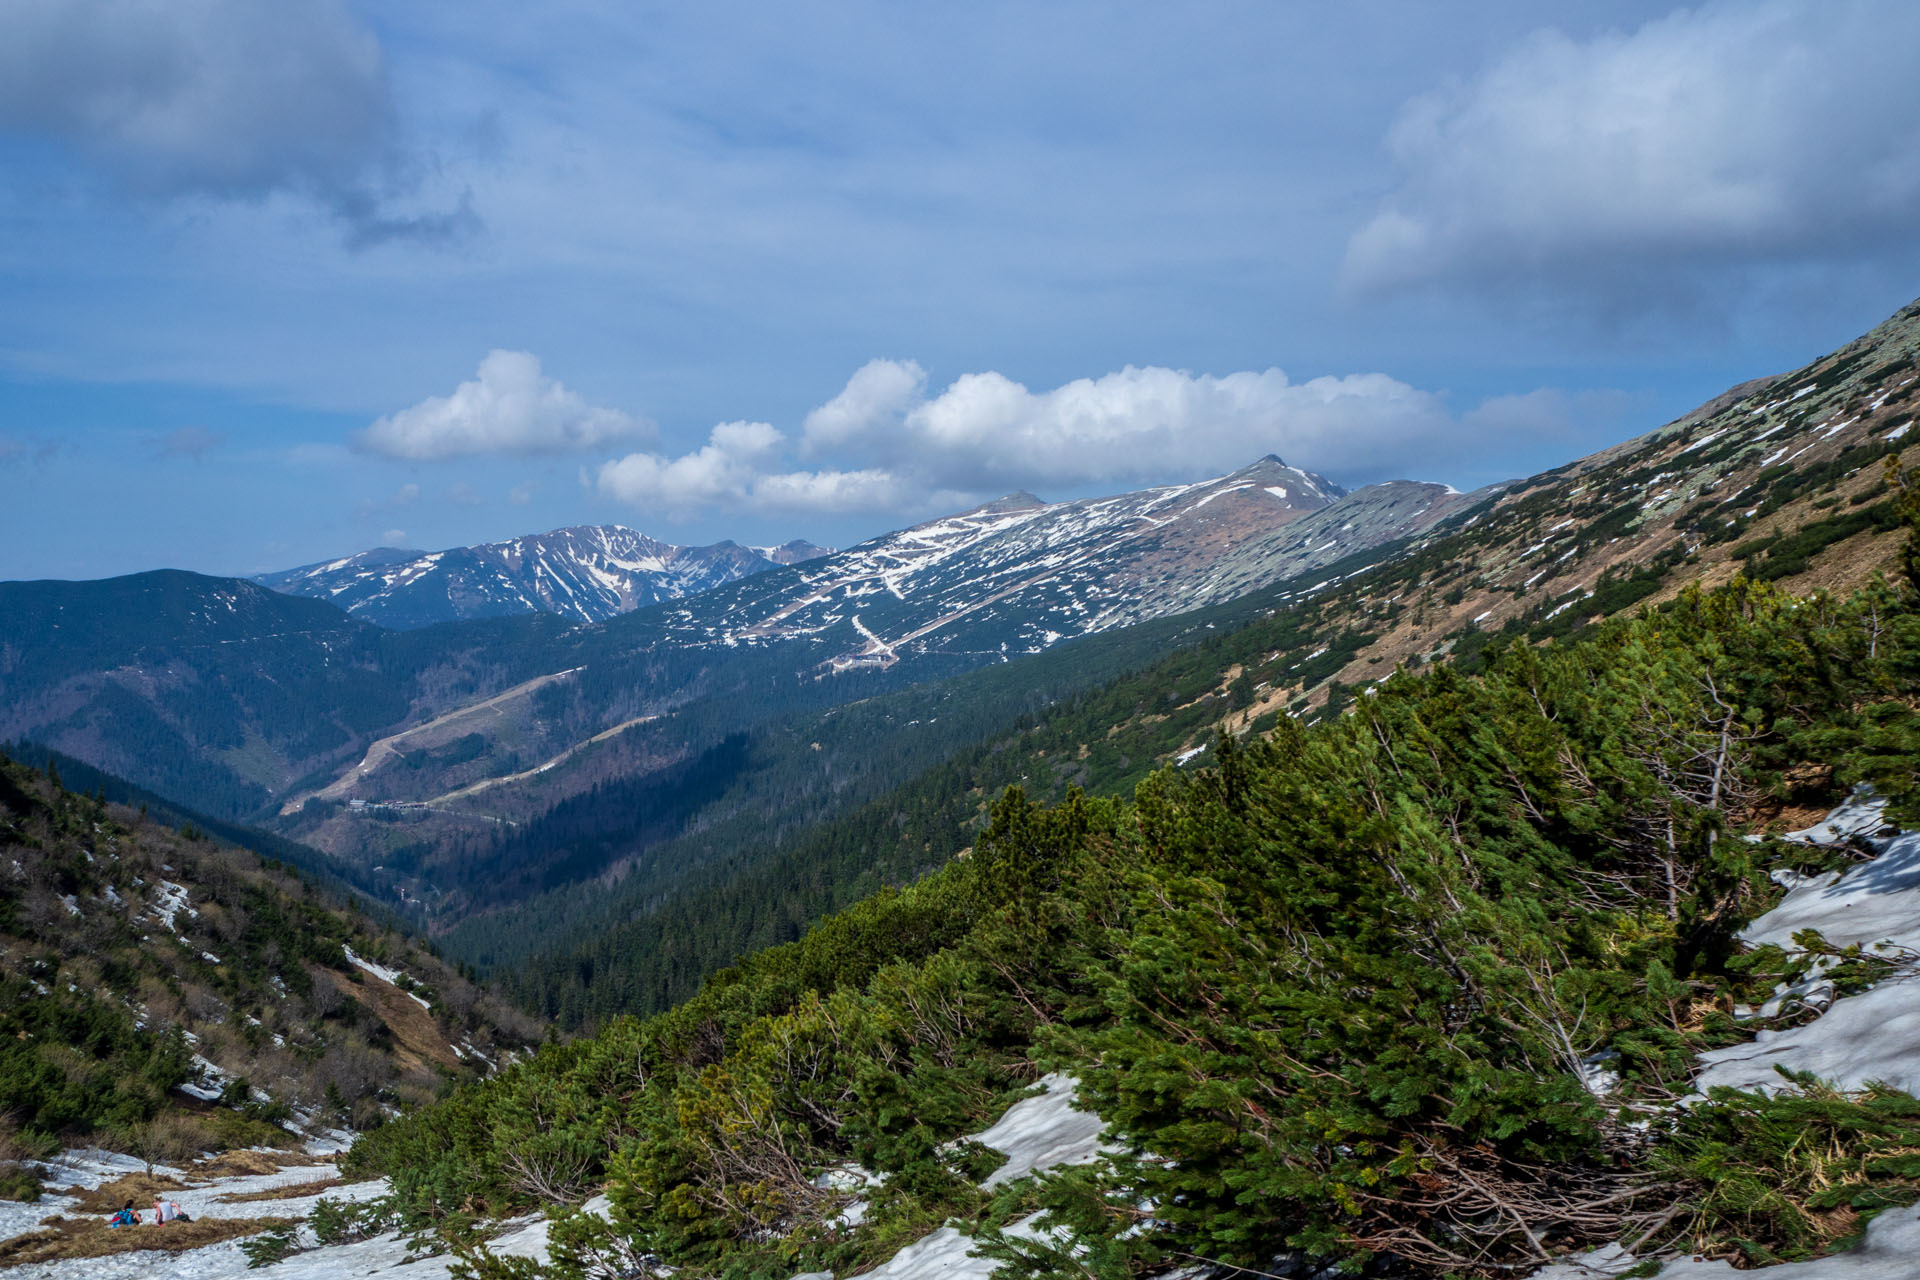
{"points": [[733, 469], [886, 444], [509, 407], [1724, 135], [232, 99], [987, 430]]}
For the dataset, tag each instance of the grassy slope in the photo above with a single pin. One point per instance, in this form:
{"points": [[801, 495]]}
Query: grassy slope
{"points": [[107, 1003]]}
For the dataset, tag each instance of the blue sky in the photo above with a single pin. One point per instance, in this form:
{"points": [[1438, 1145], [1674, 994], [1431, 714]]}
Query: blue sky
{"points": [[280, 282]]}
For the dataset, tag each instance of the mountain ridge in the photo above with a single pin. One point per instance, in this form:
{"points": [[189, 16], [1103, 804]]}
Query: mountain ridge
{"points": [[1398, 573], [587, 573]]}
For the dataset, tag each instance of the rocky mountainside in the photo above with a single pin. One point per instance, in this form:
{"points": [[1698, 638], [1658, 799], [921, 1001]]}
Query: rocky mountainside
{"points": [[588, 573], [1019, 574], [149, 971], [1783, 480]]}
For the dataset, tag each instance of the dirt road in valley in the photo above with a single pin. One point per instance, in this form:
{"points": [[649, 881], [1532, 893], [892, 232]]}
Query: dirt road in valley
{"points": [[385, 749]]}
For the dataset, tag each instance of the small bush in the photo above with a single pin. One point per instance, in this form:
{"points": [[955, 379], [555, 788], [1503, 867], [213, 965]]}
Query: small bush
{"points": [[1797, 1174]]}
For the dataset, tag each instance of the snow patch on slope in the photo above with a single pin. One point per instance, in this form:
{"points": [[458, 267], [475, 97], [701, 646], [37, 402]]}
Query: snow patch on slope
{"points": [[1891, 1251], [1863, 1038], [1043, 1132]]}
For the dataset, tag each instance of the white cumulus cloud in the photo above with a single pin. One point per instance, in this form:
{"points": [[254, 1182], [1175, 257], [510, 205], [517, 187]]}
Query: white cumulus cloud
{"points": [[1727, 135], [736, 468], [830, 492], [878, 391], [509, 407], [887, 444], [1136, 425], [723, 470]]}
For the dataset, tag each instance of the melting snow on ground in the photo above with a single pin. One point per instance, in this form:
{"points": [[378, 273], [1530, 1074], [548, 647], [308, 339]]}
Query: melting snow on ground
{"points": [[1868, 1037], [944, 1255], [1037, 1134], [389, 976], [1891, 1251], [169, 900], [1872, 1036], [380, 971], [83, 1170], [1043, 1132]]}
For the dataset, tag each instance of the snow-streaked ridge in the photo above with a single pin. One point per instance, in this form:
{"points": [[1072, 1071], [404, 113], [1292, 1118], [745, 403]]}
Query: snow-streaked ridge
{"points": [[589, 573]]}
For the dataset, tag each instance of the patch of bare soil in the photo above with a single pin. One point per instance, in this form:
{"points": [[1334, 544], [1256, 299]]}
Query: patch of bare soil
{"points": [[60, 1238], [292, 1191], [417, 1037], [251, 1164]]}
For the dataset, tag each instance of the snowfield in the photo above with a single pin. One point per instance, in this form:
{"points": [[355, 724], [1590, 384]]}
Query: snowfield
{"points": [[1043, 1132], [82, 1170]]}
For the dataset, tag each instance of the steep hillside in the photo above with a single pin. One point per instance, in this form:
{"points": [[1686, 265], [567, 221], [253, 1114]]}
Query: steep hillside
{"points": [[154, 973], [219, 693], [1413, 991], [588, 574], [1780, 479], [1302, 649]]}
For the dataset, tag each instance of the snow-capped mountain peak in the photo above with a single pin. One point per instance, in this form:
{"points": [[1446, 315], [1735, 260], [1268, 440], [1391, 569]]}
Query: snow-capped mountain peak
{"points": [[1018, 574], [587, 572]]}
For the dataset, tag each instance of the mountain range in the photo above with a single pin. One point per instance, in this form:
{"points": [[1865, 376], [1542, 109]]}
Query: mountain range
{"points": [[1019, 575], [589, 573], [513, 763]]}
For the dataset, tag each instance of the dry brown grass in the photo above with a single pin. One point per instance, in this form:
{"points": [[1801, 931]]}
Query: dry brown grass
{"points": [[61, 1238], [292, 1191], [417, 1038], [137, 1187], [251, 1164]]}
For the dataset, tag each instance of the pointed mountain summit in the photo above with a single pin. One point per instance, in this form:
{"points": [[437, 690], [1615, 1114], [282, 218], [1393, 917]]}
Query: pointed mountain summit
{"points": [[588, 572], [1018, 574], [1018, 500], [794, 552], [1289, 484]]}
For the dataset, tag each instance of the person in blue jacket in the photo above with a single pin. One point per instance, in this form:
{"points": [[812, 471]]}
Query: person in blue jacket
{"points": [[127, 1217]]}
